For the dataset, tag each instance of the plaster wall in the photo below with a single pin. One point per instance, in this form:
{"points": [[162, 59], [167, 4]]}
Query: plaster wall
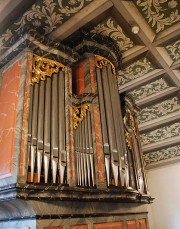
{"points": [[164, 185]]}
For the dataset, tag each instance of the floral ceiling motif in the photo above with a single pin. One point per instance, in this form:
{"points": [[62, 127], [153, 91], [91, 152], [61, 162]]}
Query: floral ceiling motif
{"points": [[149, 89], [45, 16], [112, 29], [161, 134], [160, 14], [159, 110], [174, 50], [162, 154], [135, 70]]}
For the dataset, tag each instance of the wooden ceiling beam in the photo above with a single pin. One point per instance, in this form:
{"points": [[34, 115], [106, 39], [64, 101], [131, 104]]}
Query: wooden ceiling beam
{"points": [[80, 19]]}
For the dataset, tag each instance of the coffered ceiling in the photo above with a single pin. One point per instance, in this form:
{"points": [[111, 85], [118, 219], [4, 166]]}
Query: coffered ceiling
{"points": [[150, 65]]}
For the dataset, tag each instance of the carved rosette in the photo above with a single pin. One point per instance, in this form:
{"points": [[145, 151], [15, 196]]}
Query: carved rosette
{"points": [[43, 67]]}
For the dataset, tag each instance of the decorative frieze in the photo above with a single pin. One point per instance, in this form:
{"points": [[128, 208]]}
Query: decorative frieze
{"points": [[159, 109], [149, 89], [163, 154], [161, 133]]}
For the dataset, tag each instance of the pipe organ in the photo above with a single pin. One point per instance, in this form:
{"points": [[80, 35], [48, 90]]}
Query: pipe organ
{"points": [[95, 103], [72, 141], [46, 132]]}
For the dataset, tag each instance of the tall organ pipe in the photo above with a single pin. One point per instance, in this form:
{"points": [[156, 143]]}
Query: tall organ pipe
{"points": [[40, 128], [104, 125], [47, 128], [61, 127], [110, 125]]}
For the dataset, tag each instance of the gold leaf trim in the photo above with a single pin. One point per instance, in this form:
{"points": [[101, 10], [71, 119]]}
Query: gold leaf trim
{"points": [[43, 67], [79, 113], [133, 124], [101, 61]]}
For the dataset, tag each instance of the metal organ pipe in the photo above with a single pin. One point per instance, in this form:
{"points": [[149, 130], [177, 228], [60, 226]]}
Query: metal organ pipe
{"points": [[46, 134]]}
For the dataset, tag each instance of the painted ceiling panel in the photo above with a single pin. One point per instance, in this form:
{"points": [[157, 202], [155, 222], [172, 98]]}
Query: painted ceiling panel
{"points": [[161, 133], [159, 110], [45, 16], [161, 155], [137, 69], [173, 50], [160, 14], [149, 89], [112, 29]]}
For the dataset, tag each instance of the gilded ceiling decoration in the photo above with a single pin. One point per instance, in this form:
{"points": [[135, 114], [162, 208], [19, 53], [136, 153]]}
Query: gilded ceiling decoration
{"points": [[159, 14], [45, 16], [174, 50], [162, 154], [135, 70], [159, 110], [149, 89], [111, 29], [161, 134]]}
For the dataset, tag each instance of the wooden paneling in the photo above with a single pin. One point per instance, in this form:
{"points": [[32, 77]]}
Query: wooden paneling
{"points": [[142, 224], [113, 225], [79, 227], [131, 224]]}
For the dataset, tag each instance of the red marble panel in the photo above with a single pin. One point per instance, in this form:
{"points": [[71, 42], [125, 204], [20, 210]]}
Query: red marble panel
{"points": [[142, 224], [91, 75], [131, 224], [24, 122], [79, 227], [112, 225], [78, 75], [8, 108]]}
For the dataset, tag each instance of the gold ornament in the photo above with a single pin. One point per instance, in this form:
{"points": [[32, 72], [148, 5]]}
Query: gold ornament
{"points": [[101, 61], [79, 113], [43, 67]]}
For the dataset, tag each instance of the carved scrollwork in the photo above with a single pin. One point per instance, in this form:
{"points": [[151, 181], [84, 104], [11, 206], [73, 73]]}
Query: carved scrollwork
{"points": [[128, 140], [79, 113], [133, 123], [101, 61], [43, 67]]}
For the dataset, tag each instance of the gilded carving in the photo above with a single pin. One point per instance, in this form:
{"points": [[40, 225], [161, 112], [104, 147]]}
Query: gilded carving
{"points": [[79, 113], [133, 123], [128, 140], [43, 67], [102, 61]]}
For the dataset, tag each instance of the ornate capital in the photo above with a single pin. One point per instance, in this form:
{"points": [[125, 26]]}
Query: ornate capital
{"points": [[101, 61], [43, 67]]}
